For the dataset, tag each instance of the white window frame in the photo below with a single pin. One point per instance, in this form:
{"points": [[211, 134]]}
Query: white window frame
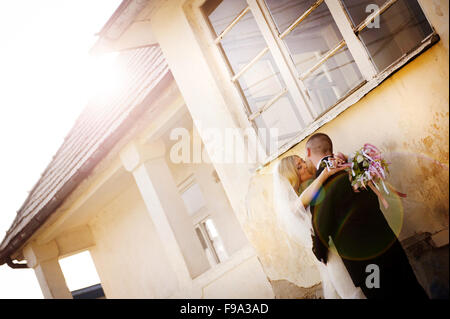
{"points": [[207, 239], [289, 73], [199, 217]]}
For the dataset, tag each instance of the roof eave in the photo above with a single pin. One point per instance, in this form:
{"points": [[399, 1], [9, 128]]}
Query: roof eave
{"points": [[14, 244], [119, 32]]}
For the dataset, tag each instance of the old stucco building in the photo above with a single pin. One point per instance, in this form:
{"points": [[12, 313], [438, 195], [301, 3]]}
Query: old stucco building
{"points": [[205, 228]]}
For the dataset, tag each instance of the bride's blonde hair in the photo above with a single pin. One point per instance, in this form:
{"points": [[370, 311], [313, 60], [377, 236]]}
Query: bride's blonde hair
{"points": [[287, 169]]}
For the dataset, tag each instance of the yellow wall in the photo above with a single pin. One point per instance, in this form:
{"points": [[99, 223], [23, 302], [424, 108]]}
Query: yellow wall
{"points": [[128, 255]]}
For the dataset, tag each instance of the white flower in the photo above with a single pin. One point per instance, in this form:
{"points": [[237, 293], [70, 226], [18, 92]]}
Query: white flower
{"points": [[359, 158]]}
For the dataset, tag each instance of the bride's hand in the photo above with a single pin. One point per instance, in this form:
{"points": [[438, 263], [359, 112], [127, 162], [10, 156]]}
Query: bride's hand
{"points": [[341, 156], [331, 171], [337, 166]]}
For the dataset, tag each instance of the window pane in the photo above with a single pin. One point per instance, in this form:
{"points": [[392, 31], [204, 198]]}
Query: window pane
{"points": [[308, 42], [332, 80], [358, 10], [222, 13], [401, 29], [215, 239], [201, 238], [210, 255], [282, 117], [260, 84], [262, 81], [285, 12]]}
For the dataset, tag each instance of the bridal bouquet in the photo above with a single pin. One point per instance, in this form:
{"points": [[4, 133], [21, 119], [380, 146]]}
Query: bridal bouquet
{"points": [[367, 168]]}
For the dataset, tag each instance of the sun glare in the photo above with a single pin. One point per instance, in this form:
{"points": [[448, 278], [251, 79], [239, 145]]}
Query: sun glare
{"points": [[46, 79], [103, 75]]}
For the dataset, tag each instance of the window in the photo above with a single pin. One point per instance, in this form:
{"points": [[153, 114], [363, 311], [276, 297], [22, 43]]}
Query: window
{"points": [[205, 229], [398, 31], [307, 42], [211, 241], [255, 72], [293, 60]]}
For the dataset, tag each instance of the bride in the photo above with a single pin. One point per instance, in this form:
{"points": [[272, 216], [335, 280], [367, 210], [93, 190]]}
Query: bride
{"points": [[294, 189]]}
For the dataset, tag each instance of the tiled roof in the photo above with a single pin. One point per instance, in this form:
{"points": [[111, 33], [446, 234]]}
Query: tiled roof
{"points": [[94, 133]]}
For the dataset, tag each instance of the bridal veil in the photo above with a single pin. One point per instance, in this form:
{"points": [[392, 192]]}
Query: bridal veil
{"points": [[296, 221]]}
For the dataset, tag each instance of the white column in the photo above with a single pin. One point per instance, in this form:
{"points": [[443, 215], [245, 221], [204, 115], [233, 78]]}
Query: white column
{"points": [[44, 260], [166, 209], [202, 91]]}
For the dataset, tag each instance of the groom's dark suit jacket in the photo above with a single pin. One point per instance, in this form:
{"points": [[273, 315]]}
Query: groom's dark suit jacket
{"points": [[361, 235]]}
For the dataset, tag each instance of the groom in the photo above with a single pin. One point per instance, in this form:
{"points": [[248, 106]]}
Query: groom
{"points": [[354, 223]]}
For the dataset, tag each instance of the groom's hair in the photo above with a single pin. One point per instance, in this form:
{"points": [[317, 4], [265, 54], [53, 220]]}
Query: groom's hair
{"points": [[320, 144]]}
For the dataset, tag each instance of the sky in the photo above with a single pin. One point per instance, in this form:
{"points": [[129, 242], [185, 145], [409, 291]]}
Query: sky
{"points": [[46, 78]]}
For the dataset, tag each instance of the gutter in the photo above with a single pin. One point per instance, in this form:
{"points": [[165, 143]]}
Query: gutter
{"points": [[50, 207], [15, 265]]}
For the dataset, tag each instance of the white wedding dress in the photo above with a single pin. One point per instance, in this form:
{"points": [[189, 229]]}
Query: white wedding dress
{"points": [[296, 221], [336, 281]]}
